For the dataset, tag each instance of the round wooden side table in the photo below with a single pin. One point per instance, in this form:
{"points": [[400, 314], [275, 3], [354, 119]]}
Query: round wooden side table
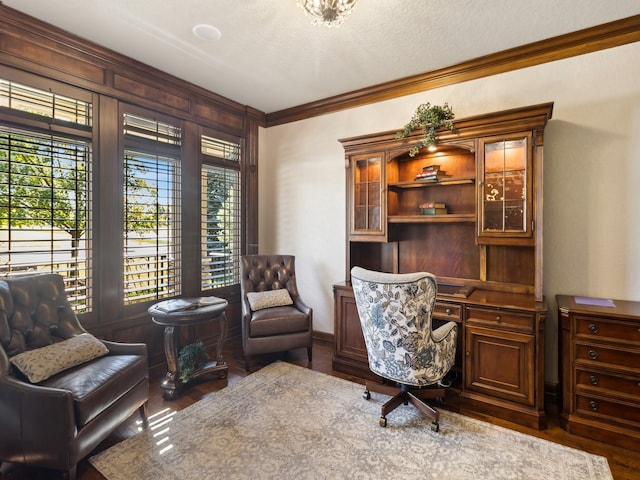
{"points": [[183, 312]]}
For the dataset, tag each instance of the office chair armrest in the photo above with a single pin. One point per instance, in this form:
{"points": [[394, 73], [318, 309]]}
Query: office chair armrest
{"points": [[441, 333]]}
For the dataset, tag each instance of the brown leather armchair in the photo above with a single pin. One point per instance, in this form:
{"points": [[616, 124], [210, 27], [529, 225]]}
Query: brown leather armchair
{"points": [[274, 324], [58, 421]]}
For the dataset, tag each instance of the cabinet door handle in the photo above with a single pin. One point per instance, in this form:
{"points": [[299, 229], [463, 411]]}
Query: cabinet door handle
{"points": [[593, 355], [593, 405], [447, 311], [593, 379], [469, 354], [593, 328], [498, 318]]}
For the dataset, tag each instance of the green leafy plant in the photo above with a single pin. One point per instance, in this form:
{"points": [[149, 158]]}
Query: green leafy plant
{"points": [[191, 358], [429, 118]]}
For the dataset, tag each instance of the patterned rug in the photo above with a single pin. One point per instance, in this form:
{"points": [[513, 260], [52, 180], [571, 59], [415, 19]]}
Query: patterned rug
{"points": [[289, 422]]}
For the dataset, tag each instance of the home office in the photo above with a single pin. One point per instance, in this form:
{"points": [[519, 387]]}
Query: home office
{"points": [[291, 177]]}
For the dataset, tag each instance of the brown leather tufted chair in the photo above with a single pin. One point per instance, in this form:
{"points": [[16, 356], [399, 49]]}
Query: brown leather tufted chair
{"points": [[57, 422], [278, 328]]}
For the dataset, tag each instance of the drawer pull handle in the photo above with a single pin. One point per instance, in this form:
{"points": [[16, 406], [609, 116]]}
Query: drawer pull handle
{"points": [[593, 405], [593, 328], [447, 311], [593, 355], [593, 379], [498, 318]]}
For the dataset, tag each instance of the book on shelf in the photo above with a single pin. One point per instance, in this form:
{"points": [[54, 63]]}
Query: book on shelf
{"points": [[435, 176], [184, 304], [433, 205], [431, 168], [433, 211]]}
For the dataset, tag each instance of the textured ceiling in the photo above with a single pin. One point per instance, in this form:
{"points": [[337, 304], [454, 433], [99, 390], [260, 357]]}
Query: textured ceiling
{"points": [[271, 58]]}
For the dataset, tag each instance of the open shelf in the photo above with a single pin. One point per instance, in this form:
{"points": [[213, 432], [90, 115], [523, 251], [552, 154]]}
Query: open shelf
{"points": [[431, 183], [448, 218]]}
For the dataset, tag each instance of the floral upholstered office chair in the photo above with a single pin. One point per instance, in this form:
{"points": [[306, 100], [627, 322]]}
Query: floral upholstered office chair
{"points": [[395, 315]]}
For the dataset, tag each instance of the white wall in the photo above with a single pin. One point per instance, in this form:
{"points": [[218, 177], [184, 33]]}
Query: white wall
{"points": [[591, 178]]}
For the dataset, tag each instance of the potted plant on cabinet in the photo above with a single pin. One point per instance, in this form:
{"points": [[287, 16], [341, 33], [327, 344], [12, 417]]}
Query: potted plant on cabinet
{"points": [[428, 118]]}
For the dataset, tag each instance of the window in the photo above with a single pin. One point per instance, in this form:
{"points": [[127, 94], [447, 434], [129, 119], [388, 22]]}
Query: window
{"points": [[21, 98], [152, 223], [220, 213], [45, 189]]}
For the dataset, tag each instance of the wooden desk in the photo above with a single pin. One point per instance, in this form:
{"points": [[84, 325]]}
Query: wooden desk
{"points": [[499, 355], [162, 314]]}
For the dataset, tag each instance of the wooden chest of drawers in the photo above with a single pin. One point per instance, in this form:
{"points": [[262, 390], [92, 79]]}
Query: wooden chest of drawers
{"points": [[600, 370]]}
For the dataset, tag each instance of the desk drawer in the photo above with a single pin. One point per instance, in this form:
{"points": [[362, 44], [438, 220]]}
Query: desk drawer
{"points": [[448, 311], [501, 318]]}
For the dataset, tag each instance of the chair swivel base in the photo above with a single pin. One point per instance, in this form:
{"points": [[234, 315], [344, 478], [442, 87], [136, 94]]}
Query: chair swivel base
{"points": [[405, 395]]}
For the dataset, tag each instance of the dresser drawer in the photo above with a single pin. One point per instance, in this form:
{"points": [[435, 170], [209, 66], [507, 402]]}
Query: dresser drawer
{"points": [[607, 383], [448, 312], [596, 354], [501, 318], [610, 329], [608, 410]]}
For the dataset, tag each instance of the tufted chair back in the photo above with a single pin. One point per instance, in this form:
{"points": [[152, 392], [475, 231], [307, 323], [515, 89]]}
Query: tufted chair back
{"points": [[34, 312], [280, 327], [55, 417], [269, 272]]}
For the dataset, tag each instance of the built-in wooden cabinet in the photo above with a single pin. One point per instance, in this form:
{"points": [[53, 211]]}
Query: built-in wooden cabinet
{"points": [[367, 198], [504, 187], [501, 345], [470, 213]]}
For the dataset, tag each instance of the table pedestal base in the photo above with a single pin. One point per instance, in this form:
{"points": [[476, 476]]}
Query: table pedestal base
{"points": [[172, 384]]}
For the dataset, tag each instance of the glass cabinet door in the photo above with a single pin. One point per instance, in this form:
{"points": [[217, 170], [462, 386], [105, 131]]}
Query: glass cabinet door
{"points": [[367, 196], [505, 187]]}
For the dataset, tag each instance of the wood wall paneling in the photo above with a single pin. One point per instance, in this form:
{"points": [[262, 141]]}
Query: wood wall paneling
{"points": [[38, 54]]}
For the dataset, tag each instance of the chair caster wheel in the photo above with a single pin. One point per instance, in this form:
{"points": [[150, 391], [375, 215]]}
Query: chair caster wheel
{"points": [[383, 421], [366, 395], [435, 426]]}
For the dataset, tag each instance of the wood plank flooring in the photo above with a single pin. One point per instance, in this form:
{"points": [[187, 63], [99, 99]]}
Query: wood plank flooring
{"points": [[624, 464]]}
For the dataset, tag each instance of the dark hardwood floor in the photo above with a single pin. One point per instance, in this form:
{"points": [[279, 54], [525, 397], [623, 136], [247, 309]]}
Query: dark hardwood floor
{"points": [[624, 464]]}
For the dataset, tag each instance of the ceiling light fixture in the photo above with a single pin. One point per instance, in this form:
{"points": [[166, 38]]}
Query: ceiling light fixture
{"points": [[206, 32], [328, 12]]}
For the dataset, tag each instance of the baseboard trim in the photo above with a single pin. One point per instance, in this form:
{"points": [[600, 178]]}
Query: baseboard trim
{"points": [[323, 337]]}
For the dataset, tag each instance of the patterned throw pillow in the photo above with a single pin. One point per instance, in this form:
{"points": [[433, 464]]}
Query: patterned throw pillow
{"points": [[268, 299], [41, 363]]}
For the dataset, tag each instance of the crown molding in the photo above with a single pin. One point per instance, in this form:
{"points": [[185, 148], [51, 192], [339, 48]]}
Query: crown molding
{"points": [[593, 39]]}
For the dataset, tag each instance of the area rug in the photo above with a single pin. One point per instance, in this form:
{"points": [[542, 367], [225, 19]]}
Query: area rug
{"points": [[289, 422]]}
